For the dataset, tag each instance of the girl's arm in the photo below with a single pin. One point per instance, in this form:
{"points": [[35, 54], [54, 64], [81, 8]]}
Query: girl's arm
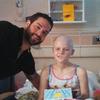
{"points": [[82, 74], [43, 83]]}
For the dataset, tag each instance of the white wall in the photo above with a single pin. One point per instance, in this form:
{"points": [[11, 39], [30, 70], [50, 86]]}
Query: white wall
{"points": [[93, 14], [92, 10], [7, 9]]}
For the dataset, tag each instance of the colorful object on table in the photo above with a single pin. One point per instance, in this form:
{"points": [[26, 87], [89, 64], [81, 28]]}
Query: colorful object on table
{"points": [[97, 94], [58, 94], [68, 12]]}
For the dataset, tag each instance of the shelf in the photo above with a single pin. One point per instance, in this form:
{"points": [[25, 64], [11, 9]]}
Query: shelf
{"points": [[60, 11], [65, 22], [64, 0], [57, 12]]}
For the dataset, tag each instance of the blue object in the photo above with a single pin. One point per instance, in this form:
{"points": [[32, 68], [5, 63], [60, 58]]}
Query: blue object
{"points": [[58, 94], [7, 84]]}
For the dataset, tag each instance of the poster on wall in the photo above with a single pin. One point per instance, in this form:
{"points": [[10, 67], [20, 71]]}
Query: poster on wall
{"points": [[68, 12], [20, 10]]}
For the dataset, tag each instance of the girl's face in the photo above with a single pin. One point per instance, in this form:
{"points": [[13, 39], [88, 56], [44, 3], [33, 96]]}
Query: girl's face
{"points": [[62, 51]]}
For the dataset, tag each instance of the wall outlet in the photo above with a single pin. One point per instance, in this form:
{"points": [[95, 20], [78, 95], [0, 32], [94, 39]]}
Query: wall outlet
{"points": [[96, 39]]}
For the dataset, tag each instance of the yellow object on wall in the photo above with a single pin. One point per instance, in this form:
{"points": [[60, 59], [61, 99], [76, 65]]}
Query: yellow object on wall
{"points": [[68, 12]]}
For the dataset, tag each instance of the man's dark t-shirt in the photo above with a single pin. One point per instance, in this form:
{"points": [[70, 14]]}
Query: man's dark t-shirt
{"points": [[11, 38]]}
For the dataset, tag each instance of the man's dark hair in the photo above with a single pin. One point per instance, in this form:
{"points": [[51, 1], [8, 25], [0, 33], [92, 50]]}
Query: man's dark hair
{"points": [[37, 15]]}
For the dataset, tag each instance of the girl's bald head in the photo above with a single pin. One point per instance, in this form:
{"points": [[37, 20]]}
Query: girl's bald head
{"points": [[64, 40]]}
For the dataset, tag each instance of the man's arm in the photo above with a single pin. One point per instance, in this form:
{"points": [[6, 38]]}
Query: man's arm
{"points": [[5, 95], [35, 79]]}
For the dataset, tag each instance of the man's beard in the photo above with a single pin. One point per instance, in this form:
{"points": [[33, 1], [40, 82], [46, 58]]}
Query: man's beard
{"points": [[28, 37]]}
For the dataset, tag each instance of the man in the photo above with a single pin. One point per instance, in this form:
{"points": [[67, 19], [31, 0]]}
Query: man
{"points": [[15, 43]]}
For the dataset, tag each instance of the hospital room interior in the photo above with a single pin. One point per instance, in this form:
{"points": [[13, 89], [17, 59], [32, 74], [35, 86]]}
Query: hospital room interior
{"points": [[82, 24]]}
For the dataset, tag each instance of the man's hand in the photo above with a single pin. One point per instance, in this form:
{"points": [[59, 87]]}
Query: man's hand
{"points": [[6, 94], [35, 79]]}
